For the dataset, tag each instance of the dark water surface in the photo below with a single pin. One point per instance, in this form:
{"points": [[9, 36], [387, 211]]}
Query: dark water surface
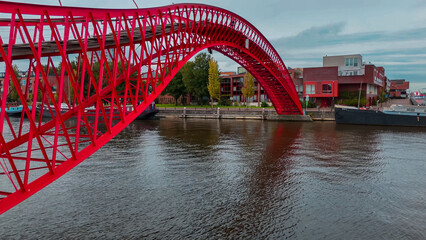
{"points": [[220, 179]]}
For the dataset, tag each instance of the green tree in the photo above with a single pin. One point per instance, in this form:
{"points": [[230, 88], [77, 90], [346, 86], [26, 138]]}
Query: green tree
{"points": [[195, 76], [248, 87], [176, 88], [13, 93], [214, 84], [382, 97], [95, 68]]}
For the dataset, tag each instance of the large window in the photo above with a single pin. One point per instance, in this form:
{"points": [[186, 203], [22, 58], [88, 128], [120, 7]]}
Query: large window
{"points": [[310, 88], [351, 62], [326, 88]]}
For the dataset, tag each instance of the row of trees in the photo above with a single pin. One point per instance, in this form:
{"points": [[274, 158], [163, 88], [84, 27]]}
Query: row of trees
{"points": [[53, 71], [200, 78], [192, 78]]}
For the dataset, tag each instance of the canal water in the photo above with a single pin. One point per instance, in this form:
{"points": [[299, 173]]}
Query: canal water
{"points": [[228, 179]]}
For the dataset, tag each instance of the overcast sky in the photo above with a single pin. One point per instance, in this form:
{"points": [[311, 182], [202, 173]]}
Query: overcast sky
{"points": [[388, 33]]}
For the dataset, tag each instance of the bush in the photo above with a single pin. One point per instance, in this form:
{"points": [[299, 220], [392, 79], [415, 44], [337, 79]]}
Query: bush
{"points": [[310, 104], [354, 102], [224, 102], [264, 104]]}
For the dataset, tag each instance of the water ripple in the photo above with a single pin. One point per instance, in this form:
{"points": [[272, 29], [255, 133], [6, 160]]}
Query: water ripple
{"points": [[223, 179]]}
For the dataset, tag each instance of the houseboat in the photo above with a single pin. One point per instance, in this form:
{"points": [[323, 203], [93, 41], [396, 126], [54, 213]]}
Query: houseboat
{"points": [[396, 115]]}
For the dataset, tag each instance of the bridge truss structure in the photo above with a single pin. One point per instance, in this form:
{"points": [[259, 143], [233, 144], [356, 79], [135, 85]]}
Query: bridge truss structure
{"points": [[90, 72]]}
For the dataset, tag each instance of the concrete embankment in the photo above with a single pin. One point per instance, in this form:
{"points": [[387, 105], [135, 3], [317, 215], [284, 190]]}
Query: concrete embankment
{"points": [[321, 115], [243, 113]]}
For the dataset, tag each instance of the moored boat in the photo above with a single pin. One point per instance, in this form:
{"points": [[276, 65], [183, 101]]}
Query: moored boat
{"points": [[394, 116], [148, 113], [14, 110], [50, 111]]}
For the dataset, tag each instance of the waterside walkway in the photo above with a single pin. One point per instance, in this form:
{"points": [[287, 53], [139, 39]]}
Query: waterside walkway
{"points": [[312, 114], [230, 113]]}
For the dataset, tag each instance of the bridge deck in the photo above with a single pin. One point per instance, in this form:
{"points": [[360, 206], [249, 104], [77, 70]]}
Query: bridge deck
{"points": [[50, 48]]}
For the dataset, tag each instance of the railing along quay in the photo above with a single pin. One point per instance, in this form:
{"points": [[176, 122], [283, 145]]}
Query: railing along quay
{"points": [[233, 113]]}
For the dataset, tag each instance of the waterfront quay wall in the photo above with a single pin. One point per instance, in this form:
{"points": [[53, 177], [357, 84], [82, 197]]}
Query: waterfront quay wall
{"points": [[242, 113], [321, 115]]}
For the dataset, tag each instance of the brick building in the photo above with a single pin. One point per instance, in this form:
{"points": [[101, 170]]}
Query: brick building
{"points": [[297, 75], [398, 88], [168, 99], [53, 82], [342, 77], [231, 84]]}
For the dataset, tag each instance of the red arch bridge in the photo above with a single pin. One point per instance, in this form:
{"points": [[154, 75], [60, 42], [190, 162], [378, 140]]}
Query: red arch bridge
{"points": [[114, 61]]}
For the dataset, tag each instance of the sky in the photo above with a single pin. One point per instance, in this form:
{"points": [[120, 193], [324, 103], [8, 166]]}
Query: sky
{"points": [[388, 33]]}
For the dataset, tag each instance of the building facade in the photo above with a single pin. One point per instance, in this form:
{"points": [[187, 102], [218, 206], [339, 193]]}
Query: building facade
{"points": [[296, 75], [343, 78], [231, 84], [28, 82], [398, 88]]}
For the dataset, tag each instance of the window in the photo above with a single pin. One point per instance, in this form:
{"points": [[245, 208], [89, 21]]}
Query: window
{"points": [[351, 62], [310, 89], [326, 88]]}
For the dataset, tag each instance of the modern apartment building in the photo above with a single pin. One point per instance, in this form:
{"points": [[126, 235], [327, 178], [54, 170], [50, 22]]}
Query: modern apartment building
{"points": [[343, 77], [231, 84]]}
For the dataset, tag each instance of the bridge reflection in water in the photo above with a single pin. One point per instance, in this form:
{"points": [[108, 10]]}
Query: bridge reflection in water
{"points": [[231, 179]]}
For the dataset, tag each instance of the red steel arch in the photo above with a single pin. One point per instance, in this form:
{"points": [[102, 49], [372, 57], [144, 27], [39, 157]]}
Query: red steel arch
{"points": [[112, 65]]}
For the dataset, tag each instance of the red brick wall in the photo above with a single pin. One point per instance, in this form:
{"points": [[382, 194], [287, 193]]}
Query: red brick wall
{"points": [[167, 99], [351, 87], [320, 74]]}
